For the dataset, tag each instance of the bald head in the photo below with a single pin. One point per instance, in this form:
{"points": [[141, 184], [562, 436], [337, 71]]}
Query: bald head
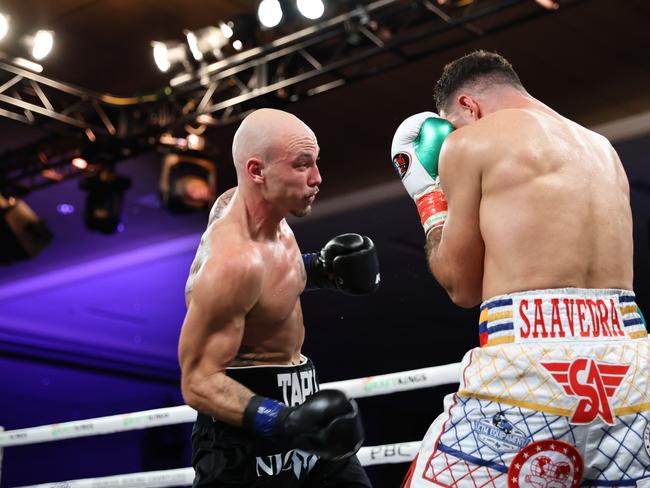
{"points": [[268, 134]]}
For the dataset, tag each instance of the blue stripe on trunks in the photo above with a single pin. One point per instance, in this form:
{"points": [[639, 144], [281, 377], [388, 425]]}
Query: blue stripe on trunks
{"points": [[472, 459], [482, 327], [499, 303], [631, 322], [625, 298], [500, 327], [610, 482]]}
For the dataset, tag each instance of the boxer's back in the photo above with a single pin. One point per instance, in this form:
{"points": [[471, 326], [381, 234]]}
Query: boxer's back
{"points": [[555, 205]]}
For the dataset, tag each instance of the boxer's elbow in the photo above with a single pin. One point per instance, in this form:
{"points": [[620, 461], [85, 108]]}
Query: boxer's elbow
{"points": [[190, 393], [464, 297], [196, 393], [464, 289]]}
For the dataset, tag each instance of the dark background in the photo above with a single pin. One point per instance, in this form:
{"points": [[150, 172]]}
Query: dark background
{"points": [[89, 326]]}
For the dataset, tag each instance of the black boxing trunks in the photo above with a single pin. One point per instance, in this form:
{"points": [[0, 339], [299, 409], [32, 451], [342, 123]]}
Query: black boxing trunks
{"points": [[224, 455]]}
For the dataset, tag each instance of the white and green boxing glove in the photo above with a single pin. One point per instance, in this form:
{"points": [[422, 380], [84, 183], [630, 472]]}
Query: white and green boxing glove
{"points": [[415, 152]]}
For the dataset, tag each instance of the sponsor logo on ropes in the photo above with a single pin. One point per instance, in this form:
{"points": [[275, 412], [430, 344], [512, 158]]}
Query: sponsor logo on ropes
{"points": [[390, 451], [546, 464], [371, 383], [559, 318], [297, 386], [63, 429], [401, 162], [295, 460], [593, 382], [646, 437], [499, 434]]}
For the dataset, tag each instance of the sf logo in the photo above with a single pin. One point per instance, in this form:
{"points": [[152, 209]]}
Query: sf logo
{"points": [[593, 382]]}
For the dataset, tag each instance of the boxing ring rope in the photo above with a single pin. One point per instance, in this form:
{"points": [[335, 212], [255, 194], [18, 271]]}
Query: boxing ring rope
{"points": [[354, 388]]}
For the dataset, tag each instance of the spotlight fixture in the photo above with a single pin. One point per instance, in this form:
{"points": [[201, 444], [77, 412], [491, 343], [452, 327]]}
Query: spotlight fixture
{"points": [[4, 25], [269, 13], [187, 182], [22, 233], [226, 29], [165, 54], [207, 40], [311, 9], [41, 44], [104, 201]]}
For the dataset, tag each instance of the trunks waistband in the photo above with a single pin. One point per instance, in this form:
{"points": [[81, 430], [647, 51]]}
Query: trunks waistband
{"points": [[561, 314], [289, 384]]}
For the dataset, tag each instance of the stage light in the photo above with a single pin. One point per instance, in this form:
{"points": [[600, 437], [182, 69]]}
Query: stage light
{"points": [[80, 163], [269, 13], [22, 233], [4, 25], [42, 44], [187, 182], [105, 200], [206, 40], [244, 31], [226, 29], [165, 54], [312, 9]]}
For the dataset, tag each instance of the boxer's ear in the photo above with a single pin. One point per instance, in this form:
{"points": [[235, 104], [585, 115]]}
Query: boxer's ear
{"points": [[255, 169], [470, 106]]}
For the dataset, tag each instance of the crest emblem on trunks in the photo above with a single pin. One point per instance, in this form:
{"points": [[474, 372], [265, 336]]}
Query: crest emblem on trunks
{"points": [[401, 162], [499, 434], [593, 382], [646, 438], [546, 464]]}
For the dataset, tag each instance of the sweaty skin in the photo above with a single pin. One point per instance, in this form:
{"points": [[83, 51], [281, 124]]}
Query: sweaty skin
{"points": [[535, 201], [243, 292]]}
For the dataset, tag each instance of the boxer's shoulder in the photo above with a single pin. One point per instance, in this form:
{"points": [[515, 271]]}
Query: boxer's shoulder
{"points": [[231, 250]]}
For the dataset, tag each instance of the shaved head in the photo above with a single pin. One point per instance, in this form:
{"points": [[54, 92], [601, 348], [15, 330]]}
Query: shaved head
{"points": [[275, 156], [267, 134]]}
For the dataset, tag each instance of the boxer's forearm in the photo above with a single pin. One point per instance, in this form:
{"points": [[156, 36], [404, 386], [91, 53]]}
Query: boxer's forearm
{"points": [[431, 247], [219, 396], [452, 271]]}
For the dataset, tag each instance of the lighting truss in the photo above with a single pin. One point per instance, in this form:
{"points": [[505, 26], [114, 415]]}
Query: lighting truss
{"points": [[366, 41]]}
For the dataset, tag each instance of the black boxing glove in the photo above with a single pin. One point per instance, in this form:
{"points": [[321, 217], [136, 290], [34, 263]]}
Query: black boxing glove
{"points": [[347, 263], [327, 424]]}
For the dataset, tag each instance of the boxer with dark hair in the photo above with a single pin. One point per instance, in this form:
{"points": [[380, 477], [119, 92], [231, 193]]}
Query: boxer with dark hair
{"points": [[262, 420], [528, 214]]}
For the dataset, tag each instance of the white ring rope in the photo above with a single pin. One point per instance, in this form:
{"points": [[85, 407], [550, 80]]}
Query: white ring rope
{"points": [[355, 388], [368, 456]]}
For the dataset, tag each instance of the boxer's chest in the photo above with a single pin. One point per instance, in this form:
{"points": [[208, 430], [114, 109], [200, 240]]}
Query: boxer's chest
{"points": [[284, 281]]}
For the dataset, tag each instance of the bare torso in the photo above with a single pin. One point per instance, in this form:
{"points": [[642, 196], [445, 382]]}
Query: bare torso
{"points": [[273, 330], [554, 209]]}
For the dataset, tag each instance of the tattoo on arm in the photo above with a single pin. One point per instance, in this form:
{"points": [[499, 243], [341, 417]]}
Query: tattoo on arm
{"points": [[433, 241]]}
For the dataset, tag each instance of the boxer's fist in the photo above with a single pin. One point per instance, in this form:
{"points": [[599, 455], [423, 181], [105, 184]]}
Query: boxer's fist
{"points": [[347, 263], [327, 424], [415, 152]]}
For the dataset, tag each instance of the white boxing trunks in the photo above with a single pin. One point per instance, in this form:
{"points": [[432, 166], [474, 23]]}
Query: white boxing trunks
{"points": [[557, 396]]}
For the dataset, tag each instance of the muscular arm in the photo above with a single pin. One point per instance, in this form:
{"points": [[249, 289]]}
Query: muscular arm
{"points": [[455, 251], [226, 290]]}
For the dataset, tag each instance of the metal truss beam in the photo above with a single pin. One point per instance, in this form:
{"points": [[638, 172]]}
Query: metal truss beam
{"points": [[365, 41]]}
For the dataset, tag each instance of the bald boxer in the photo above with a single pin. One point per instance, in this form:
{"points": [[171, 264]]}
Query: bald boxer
{"points": [[527, 213], [262, 420]]}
